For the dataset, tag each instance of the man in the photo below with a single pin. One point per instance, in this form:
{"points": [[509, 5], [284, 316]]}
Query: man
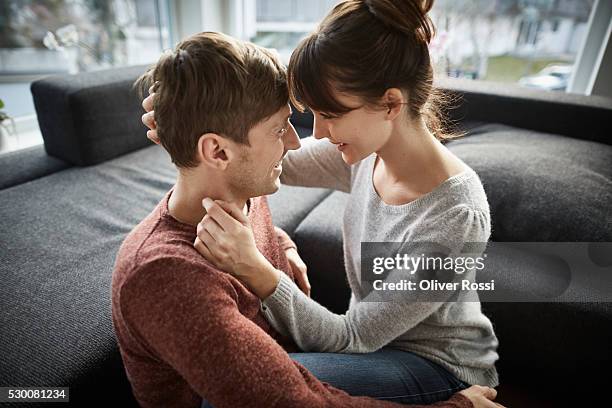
{"points": [[186, 330]]}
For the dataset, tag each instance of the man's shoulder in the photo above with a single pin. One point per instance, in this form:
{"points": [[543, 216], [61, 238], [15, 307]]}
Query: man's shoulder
{"points": [[156, 243]]}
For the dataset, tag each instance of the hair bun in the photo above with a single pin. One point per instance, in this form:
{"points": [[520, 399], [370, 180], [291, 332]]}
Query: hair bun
{"points": [[407, 16]]}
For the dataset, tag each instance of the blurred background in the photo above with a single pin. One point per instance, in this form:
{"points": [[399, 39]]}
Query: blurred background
{"points": [[549, 45]]}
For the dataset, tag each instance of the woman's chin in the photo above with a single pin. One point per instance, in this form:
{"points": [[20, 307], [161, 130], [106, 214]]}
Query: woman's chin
{"points": [[351, 158]]}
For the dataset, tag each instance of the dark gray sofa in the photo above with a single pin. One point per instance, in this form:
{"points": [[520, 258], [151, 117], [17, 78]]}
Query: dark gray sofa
{"points": [[545, 161]]}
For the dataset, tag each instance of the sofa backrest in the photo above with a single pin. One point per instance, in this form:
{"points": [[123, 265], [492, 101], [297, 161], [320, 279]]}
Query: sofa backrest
{"points": [[91, 117], [578, 116]]}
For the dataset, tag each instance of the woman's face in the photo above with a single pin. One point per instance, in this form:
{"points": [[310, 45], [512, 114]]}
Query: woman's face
{"points": [[358, 133]]}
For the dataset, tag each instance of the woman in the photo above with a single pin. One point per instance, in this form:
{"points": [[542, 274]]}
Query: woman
{"points": [[366, 75]]}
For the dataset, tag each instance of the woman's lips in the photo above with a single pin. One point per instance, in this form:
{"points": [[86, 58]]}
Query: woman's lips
{"points": [[340, 145]]}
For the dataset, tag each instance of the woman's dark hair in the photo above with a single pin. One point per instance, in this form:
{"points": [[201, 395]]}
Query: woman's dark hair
{"points": [[363, 48]]}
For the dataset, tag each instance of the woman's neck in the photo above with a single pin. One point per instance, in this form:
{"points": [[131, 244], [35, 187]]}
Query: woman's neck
{"points": [[413, 155]]}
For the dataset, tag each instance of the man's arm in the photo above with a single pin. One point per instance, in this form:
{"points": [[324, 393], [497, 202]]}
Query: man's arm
{"points": [[190, 319], [297, 265], [284, 240]]}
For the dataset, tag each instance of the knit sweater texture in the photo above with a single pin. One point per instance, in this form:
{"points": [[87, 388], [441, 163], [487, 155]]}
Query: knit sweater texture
{"points": [[188, 331], [452, 332]]}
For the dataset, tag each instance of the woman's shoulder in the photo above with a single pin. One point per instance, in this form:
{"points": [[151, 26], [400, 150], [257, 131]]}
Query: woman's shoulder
{"points": [[460, 208], [464, 190]]}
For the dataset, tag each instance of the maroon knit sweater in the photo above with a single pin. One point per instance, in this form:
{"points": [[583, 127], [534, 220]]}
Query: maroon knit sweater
{"points": [[189, 331]]}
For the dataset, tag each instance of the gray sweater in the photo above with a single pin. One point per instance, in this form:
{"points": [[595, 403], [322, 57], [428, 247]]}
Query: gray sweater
{"points": [[454, 334]]}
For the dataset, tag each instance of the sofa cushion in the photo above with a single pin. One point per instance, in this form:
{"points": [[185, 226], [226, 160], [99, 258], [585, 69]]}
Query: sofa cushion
{"points": [[27, 164], [88, 118], [290, 205], [319, 240], [541, 187], [58, 239]]}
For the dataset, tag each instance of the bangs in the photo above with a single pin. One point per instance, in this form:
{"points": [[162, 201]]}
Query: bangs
{"points": [[310, 78]]}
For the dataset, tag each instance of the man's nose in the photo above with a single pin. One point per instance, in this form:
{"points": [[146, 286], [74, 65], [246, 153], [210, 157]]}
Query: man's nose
{"points": [[291, 140], [320, 129]]}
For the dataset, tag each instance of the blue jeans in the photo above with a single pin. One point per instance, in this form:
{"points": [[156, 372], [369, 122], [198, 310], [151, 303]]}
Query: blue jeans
{"points": [[386, 374]]}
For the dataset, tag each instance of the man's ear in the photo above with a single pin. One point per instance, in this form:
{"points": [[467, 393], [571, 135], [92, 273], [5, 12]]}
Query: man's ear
{"points": [[213, 151], [393, 100]]}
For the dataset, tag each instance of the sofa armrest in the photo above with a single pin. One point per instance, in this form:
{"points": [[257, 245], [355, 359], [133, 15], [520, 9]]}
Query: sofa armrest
{"points": [[578, 116], [21, 166], [91, 117]]}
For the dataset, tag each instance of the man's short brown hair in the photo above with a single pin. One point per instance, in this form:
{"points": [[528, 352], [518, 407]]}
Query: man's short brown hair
{"points": [[212, 83]]}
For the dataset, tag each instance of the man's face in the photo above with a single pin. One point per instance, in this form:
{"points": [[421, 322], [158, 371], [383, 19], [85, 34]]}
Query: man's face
{"points": [[259, 166]]}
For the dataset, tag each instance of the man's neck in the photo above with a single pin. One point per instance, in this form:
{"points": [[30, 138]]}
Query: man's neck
{"points": [[185, 203]]}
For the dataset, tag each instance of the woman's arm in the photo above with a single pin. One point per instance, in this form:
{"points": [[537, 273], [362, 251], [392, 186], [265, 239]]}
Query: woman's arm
{"points": [[370, 324], [318, 163], [367, 326]]}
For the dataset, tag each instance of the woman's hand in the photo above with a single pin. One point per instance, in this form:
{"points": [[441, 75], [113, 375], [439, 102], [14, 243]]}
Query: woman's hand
{"points": [[149, 117], [481, 397], [225, 239], [299, 269]]}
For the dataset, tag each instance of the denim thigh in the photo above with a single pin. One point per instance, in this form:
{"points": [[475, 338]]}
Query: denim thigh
{"points": [[386, 374]]}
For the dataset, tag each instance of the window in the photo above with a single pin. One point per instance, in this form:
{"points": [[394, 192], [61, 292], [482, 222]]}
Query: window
{"points": [[281, 24], [511, 41], [530, 42], [45, 37]]}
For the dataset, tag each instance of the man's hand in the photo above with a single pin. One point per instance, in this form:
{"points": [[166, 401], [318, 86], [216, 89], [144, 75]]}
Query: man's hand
{"points": [[481, 397], [149, 117], [299, 269]]}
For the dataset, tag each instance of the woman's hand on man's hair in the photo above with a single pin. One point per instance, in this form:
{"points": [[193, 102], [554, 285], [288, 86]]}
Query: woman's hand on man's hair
{"points": [[149, 117]]}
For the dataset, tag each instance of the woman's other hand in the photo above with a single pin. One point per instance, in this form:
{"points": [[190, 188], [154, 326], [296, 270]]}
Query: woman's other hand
{"points": [[149, 117], [299, 269], [481, 397]]}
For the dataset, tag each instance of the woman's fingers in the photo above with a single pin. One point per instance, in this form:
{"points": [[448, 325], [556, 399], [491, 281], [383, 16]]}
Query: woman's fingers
{"points": [[489, 393], [481, 397], [233, 210], [147, 103], [203, 249], [210, 225], [299, 269], [301, 279], [152, 136], [227, 221], [148, 119]]}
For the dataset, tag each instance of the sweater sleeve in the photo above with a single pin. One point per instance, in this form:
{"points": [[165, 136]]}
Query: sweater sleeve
{"points": [[318, 163], [368, 325], [190, 320], [283, 239]]}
